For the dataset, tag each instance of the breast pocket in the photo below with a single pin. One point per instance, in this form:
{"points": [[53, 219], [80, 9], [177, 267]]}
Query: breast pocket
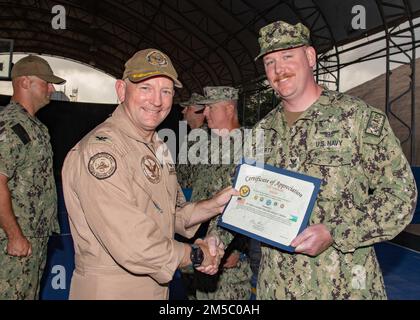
{"points": [[334, 168]]}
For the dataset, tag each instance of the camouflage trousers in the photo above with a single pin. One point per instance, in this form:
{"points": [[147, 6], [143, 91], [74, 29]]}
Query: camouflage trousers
{"points": [[231, 284], [20, 277]]}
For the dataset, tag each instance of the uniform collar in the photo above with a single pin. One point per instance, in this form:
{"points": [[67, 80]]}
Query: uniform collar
{"points": [[318, 111], [124, 124], [21, 109]]}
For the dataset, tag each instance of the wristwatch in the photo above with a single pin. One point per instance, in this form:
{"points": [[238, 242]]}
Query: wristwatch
{"points": [[196, 256]]}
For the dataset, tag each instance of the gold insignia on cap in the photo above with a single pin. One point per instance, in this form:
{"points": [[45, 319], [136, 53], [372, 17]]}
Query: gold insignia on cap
{"points": [[102, 165], [151, 169], [157, 59]]}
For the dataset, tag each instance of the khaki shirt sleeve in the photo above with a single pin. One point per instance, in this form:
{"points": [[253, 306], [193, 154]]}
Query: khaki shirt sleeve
{"points": [[184, 211], [389, 207], [122, 227]]}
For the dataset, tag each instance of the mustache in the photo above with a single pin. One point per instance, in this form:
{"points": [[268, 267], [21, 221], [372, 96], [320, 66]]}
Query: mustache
{"points": [[284, 76]]}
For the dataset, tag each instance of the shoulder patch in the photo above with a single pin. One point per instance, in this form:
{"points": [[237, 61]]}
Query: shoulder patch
{"points": [[375, 124], [21, 133], [102, 165]]}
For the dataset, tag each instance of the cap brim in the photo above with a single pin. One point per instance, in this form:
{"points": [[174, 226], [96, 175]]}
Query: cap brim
{"points": [[52, 79], [212, 101], [279, 49], [177, 83]]}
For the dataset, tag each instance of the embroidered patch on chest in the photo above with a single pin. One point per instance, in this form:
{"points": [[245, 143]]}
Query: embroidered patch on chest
{"points": [[151, 169], [375, 124], [102, 165], [329, 143]]}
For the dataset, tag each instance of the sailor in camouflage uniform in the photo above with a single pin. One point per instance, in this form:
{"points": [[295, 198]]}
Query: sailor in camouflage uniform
{"points": [[193, 115], [28, 201], [368, 192], [234, 279]]}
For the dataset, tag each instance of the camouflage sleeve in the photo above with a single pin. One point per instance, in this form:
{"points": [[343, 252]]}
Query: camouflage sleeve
{"points": [[11, 150], [224, 235], [183, 175], [388, 208]]}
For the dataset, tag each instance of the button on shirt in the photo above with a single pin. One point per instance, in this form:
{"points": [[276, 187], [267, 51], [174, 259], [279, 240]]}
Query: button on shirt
{"points": [[124, 206]]}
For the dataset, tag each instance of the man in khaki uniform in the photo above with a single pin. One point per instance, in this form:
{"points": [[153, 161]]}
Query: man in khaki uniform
{"points": [[123, 199], [28, 200]]}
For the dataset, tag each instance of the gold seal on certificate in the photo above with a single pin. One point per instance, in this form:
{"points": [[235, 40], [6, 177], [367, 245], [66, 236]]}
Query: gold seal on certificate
{"points": [[273, 205]]}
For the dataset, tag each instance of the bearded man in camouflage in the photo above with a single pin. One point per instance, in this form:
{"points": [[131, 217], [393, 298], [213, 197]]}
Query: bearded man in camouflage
{"points": [[368, 191]]}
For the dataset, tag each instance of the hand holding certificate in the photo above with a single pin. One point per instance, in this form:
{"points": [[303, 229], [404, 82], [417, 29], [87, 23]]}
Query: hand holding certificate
{"points": [[274, 204]]}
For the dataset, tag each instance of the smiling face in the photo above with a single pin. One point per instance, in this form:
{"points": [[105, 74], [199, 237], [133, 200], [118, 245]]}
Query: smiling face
{"points": [[289, 71], [147, 103]]}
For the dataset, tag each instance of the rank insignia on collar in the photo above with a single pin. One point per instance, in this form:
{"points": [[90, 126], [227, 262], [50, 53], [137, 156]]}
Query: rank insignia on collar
{"points": [[151, 169], [101, 138], [102, 165]]}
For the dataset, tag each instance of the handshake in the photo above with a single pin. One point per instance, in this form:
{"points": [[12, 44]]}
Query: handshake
{"points": [[206, 253]]}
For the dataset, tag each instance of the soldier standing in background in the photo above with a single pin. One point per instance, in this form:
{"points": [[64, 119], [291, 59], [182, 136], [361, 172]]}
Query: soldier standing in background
{"points": [[193, 115], [28, 199], [233, 281]]}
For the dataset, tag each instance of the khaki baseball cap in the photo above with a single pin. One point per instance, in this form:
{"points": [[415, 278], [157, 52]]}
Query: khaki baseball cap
{"points": [[35, 66], [193, 101], [149, 63], [281, 35], [218, 93]]}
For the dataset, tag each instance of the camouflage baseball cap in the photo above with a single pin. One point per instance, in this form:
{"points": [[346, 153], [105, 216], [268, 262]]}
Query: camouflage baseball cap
{"points": [[217, 94], [149, 63], [281, 35], [35, 66], [193, 101]]}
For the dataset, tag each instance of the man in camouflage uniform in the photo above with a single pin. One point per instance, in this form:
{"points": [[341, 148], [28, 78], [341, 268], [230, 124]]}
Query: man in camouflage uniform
{"points": [[193, 115], [193, 112], [367, 194], [225, 140], [28, 201]]}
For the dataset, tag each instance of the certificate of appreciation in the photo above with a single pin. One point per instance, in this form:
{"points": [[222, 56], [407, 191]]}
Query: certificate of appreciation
{"points": [[274, 204]]}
